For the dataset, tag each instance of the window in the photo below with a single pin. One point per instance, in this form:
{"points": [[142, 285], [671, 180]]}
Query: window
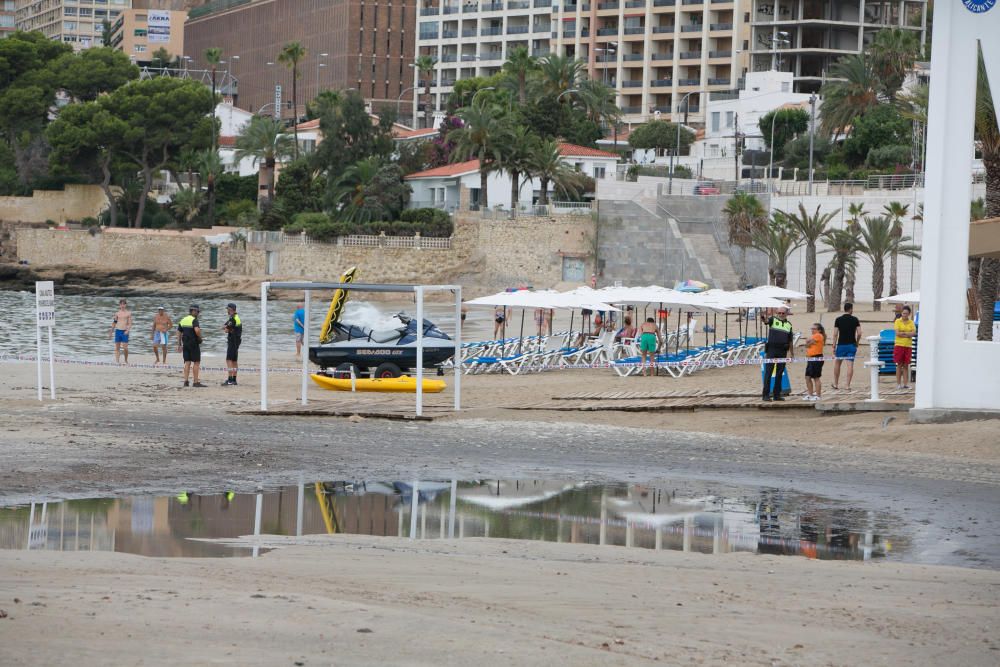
{"points": [[573, 269], [69, 25], [729, 119], [86, 11], [599, 172], [140, 17], [140, 48], [69, 11], [578, 166], [715, 121]]}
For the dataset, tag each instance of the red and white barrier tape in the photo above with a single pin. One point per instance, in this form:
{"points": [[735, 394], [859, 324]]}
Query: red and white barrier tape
{"points": [[16, 358]]}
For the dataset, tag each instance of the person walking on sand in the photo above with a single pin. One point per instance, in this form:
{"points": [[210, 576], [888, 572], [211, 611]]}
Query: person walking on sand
{"points": [[814, 366], [778, 346], [649, 342], [299, 327], [162, 324], [190, 331], [121, 324], [234, 336], [902, 351], [846, 336]]}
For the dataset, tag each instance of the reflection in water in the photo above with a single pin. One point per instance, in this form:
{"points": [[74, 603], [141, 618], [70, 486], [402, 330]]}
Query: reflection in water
{"points": [[630, 515]]}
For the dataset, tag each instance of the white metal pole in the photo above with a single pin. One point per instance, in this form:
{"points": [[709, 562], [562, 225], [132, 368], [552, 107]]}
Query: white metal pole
{"points": [[38, 357], [52, 368], [305, 348], [299, 509], [31, 522], [263, 346], [413, 509], [256, 521], [420, 350], [451, 508], [458, 348]]}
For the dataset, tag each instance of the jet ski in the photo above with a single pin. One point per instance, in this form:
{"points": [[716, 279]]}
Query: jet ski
{"points": [[388, 353]]}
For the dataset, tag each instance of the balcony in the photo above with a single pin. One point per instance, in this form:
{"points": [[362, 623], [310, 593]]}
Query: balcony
{"points": [[449, 34], [492, 55], [688, 82], [719, 82], [568, 8], [632, 57], [721, 26], [690, 55], [491, 7], [541, 27], [663, 108], [602, 32], [447, 83], [469, 57], [430, 11], [470, 7], [490, 32], [518, 29], [540, 53], [662, 83], [585, 32], [641, 30], [633, 4], [449, 58], [663, 56], [663, 29], [664, 3], [469, 32], [450, 9], [632, 84], [429, 35], [542, 3], [518, 4], [723, 2], [569, 33], [631, 111], [720, 54], [607, 58], [694, 2], [695, 27], [608, 5]]}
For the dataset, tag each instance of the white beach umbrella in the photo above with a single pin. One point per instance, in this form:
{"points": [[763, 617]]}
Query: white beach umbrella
{"points": [[779, 292], [908, 297]]}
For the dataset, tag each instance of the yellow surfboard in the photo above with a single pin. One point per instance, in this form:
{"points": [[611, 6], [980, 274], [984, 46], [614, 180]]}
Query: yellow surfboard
{"points": [[336, 306], [404, 383]]}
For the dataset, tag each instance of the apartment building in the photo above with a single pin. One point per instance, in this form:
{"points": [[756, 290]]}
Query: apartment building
{"points": [[8, 17], [141, 32], [75, 22], [661, 56], [806, 37], [363, 45]]}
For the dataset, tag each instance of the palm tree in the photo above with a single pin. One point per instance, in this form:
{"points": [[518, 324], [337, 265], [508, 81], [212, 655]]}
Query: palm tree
{"points": [[210, 168], [598, 101], [186, 204], [843, 243], [811, 229], [547, 166], [852, 92], [857, 212], [425, 67], [559, 73], [893, 52], [878, 242], [746, 217], [518, 150], [348, 191], [988, 133], [519, 64], [291, 55], [213, 56], [479, 138], [264, 141], [895, 211], [778, 240]]}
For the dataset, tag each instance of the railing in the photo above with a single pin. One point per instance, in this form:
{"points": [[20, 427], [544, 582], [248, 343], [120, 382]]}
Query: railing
{"points": [[663, 56], [258, 237], [540, 53], [894, 181], [636, 30], [694, 2], [518, 4], [518, 29], [607, 59], [491, 7], [449, 58], [632, 84], [451, 9], [721, 26], [551, 210], [487, 32], [448, 82], [723, 95], [608, 5], [430, 11], [661, 83], [470, 7], [631, 110], [429, 35], [664, 3], [569, 33], [449, 34], [469, 32], [607, 31], [718, 82], [690, 55], [661, 29], [541, 27], [632, 57], [632, 4], [695, 27], [720, 54], [492, 55], [542, 3]]}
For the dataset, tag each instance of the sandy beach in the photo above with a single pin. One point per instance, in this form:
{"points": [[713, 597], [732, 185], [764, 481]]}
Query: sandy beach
{"points": [[134, 430]]}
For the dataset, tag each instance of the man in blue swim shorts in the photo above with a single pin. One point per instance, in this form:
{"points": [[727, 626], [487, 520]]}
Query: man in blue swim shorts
{"points": [[162, 324], [121, 324], [846, 336]]}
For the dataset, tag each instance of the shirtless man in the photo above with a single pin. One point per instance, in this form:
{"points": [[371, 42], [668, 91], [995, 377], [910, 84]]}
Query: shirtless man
{"points": [[162, 324], [121, 324]]}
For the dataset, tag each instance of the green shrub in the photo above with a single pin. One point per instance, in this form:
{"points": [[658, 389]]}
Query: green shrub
{"points": [[680, 171], [429, 222], [889, 157], [232, 212]]}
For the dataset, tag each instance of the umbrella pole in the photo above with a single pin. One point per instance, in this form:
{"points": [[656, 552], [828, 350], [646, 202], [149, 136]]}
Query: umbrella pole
{"points": [[520, 340], [727, 327], [569, 339], [677, 345]]}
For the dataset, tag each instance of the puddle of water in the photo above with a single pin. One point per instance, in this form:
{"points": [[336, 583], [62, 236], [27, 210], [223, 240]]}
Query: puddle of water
{"points": [[629, 515]]}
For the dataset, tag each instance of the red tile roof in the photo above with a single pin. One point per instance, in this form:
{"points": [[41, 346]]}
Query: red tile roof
{"points": [[309, 125], [227, 141], [572, 150], [414, 134], [458, 169]]}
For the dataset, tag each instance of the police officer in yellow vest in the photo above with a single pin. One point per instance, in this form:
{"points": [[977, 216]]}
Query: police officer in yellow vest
{"points": [[778, 346], [234, 336], [190, 340]]}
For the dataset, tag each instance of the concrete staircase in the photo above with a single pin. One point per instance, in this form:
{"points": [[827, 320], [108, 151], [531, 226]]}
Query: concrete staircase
{"points": [[718, 262]]}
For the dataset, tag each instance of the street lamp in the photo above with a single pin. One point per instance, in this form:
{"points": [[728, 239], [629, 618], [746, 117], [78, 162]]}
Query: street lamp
{"points": [[399, 99], [318, 66], [473, 103], [812, 134], [677, 145], [612, 47], [566, 92]]}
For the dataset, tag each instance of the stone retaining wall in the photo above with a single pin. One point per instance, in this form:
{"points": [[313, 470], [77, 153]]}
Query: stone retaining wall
{"points": [[484, 254], [75, 202]]}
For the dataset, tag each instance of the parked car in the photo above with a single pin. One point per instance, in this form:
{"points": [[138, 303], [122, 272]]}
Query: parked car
{"points": [[707, 188]]}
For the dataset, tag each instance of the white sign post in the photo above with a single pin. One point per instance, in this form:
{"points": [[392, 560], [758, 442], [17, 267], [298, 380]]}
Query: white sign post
{"points": [[277, 101], [45, 316]]}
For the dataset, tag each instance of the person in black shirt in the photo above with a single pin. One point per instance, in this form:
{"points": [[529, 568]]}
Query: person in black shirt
{"points": [[779, 345], [846, 336], [190, 340], [234, 336]]}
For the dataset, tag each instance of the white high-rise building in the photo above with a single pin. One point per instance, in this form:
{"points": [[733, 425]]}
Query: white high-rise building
{"points": [[75, 22]]}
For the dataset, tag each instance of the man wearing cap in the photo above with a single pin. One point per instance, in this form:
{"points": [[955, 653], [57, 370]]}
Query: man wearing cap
{"points": [[162, 324], [190, 330], [779, 345], [234, 336]]}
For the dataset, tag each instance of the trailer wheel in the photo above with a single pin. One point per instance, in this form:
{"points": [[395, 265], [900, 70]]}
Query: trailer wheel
{"points": [[387, 370], [343, 371]]}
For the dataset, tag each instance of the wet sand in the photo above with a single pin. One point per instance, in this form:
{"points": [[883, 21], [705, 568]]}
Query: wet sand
{"points": [[355, 600]]}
